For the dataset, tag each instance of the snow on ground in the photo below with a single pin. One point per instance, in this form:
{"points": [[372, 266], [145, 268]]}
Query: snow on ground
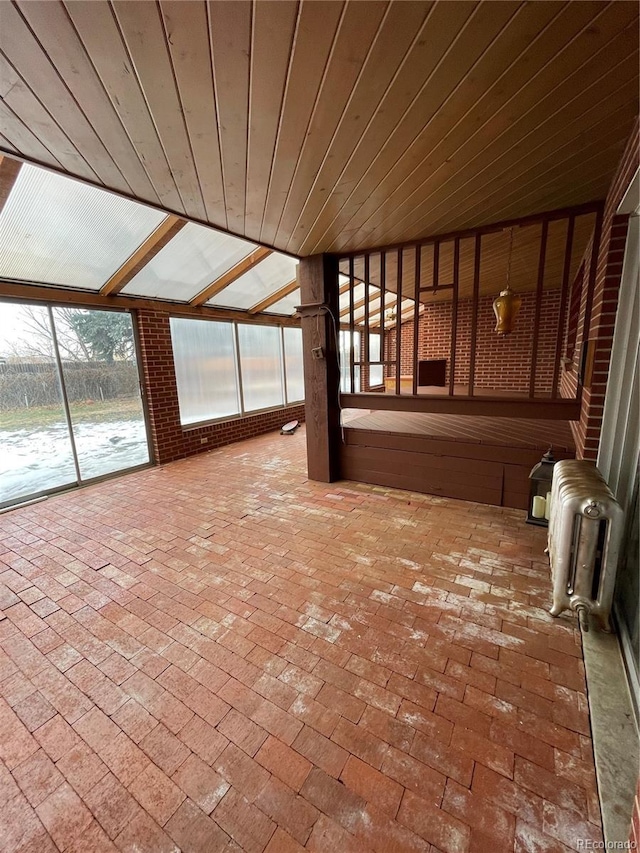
{"points": [[38, 459]]}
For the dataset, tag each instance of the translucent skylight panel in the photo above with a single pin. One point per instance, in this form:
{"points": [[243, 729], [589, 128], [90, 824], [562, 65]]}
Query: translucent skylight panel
{"points": [[191, 261], [59, 231], [267, 277], [286, 305], [391, 303], [358, 294]]}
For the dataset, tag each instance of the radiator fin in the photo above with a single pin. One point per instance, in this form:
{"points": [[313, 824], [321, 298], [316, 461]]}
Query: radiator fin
{"points": [[585, 532]]}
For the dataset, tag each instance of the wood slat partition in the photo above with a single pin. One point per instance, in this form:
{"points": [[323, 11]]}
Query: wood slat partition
{"points": [[546, 261]]}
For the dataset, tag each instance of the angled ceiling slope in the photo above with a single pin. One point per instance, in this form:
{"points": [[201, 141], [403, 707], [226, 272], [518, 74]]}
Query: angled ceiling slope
{"points": [[60, 233], [325, 126]]}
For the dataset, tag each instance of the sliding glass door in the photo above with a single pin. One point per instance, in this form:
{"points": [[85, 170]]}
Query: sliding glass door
{"points": [[70, 405], [36, 453]]}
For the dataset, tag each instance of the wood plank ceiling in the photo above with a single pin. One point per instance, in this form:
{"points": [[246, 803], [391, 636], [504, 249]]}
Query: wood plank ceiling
{"points": [[325, 126]]}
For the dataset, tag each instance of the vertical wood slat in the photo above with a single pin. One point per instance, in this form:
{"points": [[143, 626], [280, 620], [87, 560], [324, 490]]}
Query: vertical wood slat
{"points": [[436, 264], [364, 344], [352, 369], [536, 322], [474, 311], [416, 319], [454, 315], [593, 270], [566, 272], [383, 296], [398, 319]]}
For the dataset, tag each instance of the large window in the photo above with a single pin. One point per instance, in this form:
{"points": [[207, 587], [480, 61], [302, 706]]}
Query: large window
{"points": [[293, 364], [205, 359], [261, 365], [227, 369]]}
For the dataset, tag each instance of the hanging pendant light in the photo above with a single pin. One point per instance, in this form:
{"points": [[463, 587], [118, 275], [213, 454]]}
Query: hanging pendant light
{"points": [[507, 304]]}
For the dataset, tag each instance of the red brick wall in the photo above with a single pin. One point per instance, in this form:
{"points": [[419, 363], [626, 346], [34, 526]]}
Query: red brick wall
{"points": [[605, 301], [170, 440], [501, 362]]}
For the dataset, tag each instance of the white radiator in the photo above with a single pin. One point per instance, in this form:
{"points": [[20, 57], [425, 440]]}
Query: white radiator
{"points": [[585, 532]]}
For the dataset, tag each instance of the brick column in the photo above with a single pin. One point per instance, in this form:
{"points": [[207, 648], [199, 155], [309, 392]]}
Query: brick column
{"points": [[605, 302]]}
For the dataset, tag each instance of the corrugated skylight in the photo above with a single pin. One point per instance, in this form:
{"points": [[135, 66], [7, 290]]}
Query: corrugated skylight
{"points": [[191, 261], [58, 231], [269, 276]]}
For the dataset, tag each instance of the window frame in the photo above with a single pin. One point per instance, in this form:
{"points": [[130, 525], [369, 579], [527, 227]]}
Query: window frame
{"points": [[243, 413]]}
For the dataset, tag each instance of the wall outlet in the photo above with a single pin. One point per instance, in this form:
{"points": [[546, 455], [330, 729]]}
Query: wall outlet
{"points": [[317, 352], [204, 440]]}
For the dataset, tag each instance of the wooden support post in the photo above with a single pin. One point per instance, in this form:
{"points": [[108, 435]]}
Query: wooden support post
{"points": [[318, 277]]}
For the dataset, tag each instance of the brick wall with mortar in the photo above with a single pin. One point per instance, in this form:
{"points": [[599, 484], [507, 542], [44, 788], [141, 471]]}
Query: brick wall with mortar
{"points": [[605, 301], [501, 363], [170, 440]]}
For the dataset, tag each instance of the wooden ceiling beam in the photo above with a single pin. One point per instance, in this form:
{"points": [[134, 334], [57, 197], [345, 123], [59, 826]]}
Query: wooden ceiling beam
{"points": [[375, 297], [34, 293], [9, 171], [243, 266], [360, 302], [159, 238], [275, 297]]}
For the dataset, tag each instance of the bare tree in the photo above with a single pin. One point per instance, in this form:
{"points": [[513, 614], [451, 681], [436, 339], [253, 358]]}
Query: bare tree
{"points": [[82, 335]]}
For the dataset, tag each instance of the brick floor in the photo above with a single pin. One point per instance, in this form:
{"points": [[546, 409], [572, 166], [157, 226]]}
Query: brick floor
{"points": [[219, 655]]}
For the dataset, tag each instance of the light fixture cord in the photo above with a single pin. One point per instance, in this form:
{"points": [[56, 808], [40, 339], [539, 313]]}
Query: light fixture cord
{"points": [[509, 258]]}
